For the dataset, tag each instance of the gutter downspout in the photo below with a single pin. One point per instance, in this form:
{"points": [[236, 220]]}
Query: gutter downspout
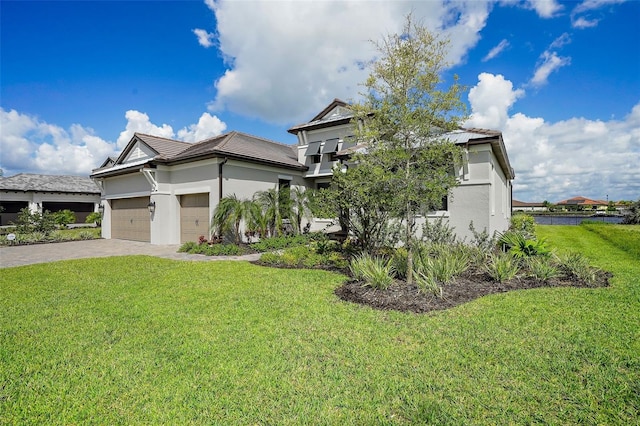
{"points": [[220, 165]]}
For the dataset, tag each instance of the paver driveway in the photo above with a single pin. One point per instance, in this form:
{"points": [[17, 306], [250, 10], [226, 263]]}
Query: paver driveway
{"points": [[42, 253]]}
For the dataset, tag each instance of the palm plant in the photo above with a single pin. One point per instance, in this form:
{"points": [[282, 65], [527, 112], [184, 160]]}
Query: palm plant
{"points": [[229, 214], [273, 206], [300, 207]]}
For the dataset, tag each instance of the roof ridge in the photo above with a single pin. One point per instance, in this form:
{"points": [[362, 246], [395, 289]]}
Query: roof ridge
{"points": [[160, 137]]}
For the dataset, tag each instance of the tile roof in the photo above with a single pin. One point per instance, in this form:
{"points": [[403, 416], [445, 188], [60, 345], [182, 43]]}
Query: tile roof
{"points": [[516, 203], [242, 145], [48, 183], [582, 201], [166, 148]]}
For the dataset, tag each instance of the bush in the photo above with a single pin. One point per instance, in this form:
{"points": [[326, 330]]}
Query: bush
{"points": [[192, 247], [520, 246], [63, 218], [95, 217], [482, 239], [282, 242], [28, 222], [576, 266], [400, 265], [502, 267], [438, 232], [542, 268], [304, 257], [376, 272], [524, 224]]}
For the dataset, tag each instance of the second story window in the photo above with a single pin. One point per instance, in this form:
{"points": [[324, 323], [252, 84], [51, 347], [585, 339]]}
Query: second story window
{"points": [[316, 158]]}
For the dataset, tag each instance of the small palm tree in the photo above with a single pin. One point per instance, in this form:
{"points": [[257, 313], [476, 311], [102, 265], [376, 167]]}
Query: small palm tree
{"points": [[269, 201], [301, 208], [229, 214]]}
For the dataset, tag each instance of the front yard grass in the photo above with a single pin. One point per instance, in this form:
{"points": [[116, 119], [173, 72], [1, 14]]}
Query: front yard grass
{"points": [[138, 339]]}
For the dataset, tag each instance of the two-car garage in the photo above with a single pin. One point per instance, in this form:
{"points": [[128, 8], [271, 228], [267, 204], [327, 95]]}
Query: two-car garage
{"points": [[131, 220]]}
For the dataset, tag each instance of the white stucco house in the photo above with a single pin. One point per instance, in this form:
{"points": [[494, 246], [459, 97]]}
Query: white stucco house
{"points": [[40, 193], [165, 191]]}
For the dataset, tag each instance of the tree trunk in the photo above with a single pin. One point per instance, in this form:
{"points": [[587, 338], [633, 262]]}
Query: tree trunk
{"points": [[409, 247]]}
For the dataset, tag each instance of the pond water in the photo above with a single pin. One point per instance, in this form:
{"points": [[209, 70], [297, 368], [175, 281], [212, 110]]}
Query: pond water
{"points": [[575, 220]]}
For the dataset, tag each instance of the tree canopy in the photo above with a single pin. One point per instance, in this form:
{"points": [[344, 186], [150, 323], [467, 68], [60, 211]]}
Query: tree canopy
{"points": [[408, 164]]}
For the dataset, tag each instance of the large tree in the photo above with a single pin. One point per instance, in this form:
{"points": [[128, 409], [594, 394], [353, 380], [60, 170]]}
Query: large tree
{"points": [[406, 111]]}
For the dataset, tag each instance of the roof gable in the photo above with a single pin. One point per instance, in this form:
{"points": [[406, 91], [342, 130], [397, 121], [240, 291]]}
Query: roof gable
{"points": [[142, 146], [337, 112]]}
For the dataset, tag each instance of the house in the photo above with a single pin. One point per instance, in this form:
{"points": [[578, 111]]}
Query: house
{"points": [[582, 203], [526, 206], [165, 191], [484, 193], [47, 192]]}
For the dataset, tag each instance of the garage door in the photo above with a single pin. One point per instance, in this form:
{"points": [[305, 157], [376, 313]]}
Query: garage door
{"points": [[194, 216], [130, 219]]}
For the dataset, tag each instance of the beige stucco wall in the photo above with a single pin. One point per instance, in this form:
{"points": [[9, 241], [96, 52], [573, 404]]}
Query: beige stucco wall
{"points": [[242, 178]]}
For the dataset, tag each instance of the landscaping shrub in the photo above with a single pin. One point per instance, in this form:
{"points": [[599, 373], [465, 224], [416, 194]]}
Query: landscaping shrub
{"points": [[95, 217], [304, 257], [438, 232], [282, 242], [576, 266], [542, 268], [399, 259], [524, 224], [376, 272], [502, 267], [520, 246], [483, 240], [28, 222], [63, 218]]}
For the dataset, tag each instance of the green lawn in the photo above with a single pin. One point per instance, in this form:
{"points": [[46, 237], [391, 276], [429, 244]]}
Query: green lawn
{"points": [[136, 340]]}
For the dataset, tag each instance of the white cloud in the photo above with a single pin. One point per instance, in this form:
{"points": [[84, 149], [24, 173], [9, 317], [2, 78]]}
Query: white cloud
{"points": [[561, 41], [545, 8], [139, 122], [31, 145], [207, 127], [496, 50], [581, 15], [550, 62], [555, 161], [491, 100], [205, 39], [287, 60]]}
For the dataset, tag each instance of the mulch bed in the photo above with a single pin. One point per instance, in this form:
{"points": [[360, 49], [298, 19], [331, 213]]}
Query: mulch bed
{"points": [[402, 297]]}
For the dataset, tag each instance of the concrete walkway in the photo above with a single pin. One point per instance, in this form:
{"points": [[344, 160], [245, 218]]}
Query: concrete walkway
{"points": [[43, 253]]}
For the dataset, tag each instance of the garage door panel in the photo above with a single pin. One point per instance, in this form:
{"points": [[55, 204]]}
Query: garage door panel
{"points": [[130, 219], [194, 216]]}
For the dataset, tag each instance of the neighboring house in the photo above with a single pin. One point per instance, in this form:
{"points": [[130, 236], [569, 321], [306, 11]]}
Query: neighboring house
{"points": [[582, 203], [528, 206], [47, 192], [165, 191]]}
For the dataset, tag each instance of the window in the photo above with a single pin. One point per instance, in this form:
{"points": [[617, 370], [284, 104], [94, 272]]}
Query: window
{"points": [[323, 185], [284, 197], [316, 158], [445, 203]]}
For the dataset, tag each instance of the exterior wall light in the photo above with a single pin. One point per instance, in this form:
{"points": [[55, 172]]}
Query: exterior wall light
{"points": [[152, 207], [101, 209]]}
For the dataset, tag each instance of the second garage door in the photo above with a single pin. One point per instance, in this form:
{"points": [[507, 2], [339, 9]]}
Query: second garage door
{"points": [[194, 217], [130, 219]]}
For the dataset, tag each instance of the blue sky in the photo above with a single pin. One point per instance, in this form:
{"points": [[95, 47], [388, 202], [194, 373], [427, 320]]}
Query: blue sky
{"points": [[561, 80]]}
